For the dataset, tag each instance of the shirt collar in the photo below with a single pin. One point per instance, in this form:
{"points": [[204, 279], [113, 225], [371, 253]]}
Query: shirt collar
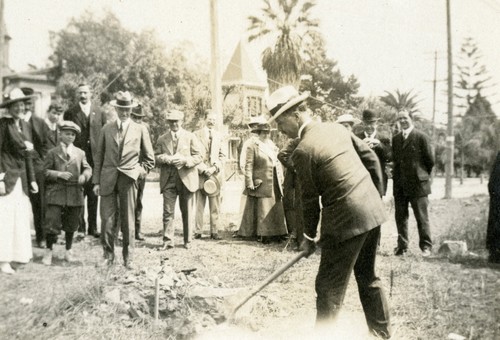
{"points": [[27, 116], [85, 107], [372, 136], [68, 149], [407, 131], [52, 126], [303, 126]]}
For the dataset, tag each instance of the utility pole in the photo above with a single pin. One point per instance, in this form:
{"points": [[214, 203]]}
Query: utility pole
{"points": [[215, 74], [2, 47], [450, 139], [433, 137]]}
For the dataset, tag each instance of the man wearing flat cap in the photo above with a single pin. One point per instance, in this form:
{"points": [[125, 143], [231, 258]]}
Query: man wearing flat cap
{"points": [[177, 154], [212, 165], [89, 117], [333, 166], [124, 155], [378, 141]]}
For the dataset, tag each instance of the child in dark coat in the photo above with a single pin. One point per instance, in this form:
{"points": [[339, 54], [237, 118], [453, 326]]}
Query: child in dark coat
{"points": [[66, 171]]}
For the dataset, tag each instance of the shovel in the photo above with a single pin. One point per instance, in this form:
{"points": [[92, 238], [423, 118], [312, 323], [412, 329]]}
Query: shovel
{"points": [[264, 283]]}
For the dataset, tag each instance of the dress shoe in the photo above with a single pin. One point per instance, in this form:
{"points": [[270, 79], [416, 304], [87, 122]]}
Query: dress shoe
{"points": [[187, 245], [130, 265], [215, 237], [166, 246], [41, 244], [400, 251], [97, 235], [47, 257], [106, 263], [6, 268], [139, 237], [426, 252], [69, 257], [197, 236]]}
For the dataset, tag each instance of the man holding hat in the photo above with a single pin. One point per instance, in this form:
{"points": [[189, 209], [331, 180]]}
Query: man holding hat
{"points": [[332, 165], [177, 153], [209, 170], [378, 141], [88, 116], [137, 116], [66, 171], [124, 155]]}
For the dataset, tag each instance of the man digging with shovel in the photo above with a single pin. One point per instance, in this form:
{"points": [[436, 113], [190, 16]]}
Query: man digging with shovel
{"points": [[336, 166]]}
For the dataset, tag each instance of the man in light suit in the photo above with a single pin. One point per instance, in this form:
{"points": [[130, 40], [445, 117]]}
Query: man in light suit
{"points": [[124, 155], [89, 117], [413, 162], [177, 153], [212, 164], [334, 165]]}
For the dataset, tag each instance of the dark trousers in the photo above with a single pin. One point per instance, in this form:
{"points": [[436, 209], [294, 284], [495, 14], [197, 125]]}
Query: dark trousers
{"points": [[419, 206], [337, 263], [38, 206], [186, 204], [141, 183], [57, 217], [118, 211], [92, 201]]}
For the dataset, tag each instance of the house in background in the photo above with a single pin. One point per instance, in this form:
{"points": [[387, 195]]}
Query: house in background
{"points": [[39, 80], [243, 92]]}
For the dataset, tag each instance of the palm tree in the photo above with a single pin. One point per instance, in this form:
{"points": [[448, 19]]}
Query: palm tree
{"points": [[401, 101], [290, 28]]}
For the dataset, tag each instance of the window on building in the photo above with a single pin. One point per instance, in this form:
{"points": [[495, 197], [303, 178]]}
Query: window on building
{"points": [[254, 105]]}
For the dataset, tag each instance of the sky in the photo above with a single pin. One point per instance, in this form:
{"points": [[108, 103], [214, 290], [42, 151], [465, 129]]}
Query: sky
{"points": [[386, 44]]}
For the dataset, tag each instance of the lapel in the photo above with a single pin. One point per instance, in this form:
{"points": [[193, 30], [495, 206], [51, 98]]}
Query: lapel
{"points": [[130, 132], [114, 132], [62, 155], [409, 139]]}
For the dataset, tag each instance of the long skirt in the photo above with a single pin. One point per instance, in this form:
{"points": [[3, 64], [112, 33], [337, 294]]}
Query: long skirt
{"points": [[263, 216], [15, 227]]}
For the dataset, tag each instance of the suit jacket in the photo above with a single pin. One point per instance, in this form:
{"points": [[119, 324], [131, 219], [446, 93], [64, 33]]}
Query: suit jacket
{"points": [[15, 161], [413, 162], [90, 129], [37, 134], [332, 168], [291, 182], [133, 157], [211, 156], [383, 152], [261, 163], [187, 146], [52, 137], [61, 192]]}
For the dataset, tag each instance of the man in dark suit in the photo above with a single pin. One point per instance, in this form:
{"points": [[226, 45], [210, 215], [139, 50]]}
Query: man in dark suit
{"points": [[212, 164], [37, 134], [413, 161], [54, 114], [379, 142], [90, 119], [124, 155], [333, 164]]}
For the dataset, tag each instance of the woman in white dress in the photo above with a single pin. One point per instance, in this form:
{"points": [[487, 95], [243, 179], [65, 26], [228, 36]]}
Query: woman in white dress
{"points": [[16, 174]]}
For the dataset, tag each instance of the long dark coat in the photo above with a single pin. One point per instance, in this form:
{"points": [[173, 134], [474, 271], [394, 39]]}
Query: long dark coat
{"points": [[493, 231]]}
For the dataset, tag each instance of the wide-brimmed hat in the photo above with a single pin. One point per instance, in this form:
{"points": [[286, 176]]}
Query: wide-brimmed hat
{"points": [[256, 120], [174, 115], [261, 127], [211, 186], [282, 99], [137, 111], [69, 125], [15, 95], [124, 99], [370, 116], [346, 118]]}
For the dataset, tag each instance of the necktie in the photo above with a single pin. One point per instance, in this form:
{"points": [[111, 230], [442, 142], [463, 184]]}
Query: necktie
{"points": [[175, 140], [120, 132], [209, 141]]}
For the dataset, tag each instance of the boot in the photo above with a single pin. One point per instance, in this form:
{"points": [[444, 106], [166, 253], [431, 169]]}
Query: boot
{"points": [[47, 257], [69, 256]]}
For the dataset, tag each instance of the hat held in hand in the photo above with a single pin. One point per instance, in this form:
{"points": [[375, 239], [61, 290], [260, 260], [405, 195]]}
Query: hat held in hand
{"points": [[211, 186]]}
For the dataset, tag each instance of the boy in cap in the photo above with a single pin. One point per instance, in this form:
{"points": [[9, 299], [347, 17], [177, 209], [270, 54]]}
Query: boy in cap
{"points": [[66, 171]]}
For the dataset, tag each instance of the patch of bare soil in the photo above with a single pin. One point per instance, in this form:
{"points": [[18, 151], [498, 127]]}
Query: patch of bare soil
{"points": [[429, 298]]}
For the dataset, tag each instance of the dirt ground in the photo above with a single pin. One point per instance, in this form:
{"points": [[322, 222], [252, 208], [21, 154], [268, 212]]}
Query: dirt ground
{"points": [[429, 298]]}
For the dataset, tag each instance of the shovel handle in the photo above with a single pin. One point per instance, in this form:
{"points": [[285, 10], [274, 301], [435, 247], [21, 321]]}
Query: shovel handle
{"points": [[270, 279]]}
